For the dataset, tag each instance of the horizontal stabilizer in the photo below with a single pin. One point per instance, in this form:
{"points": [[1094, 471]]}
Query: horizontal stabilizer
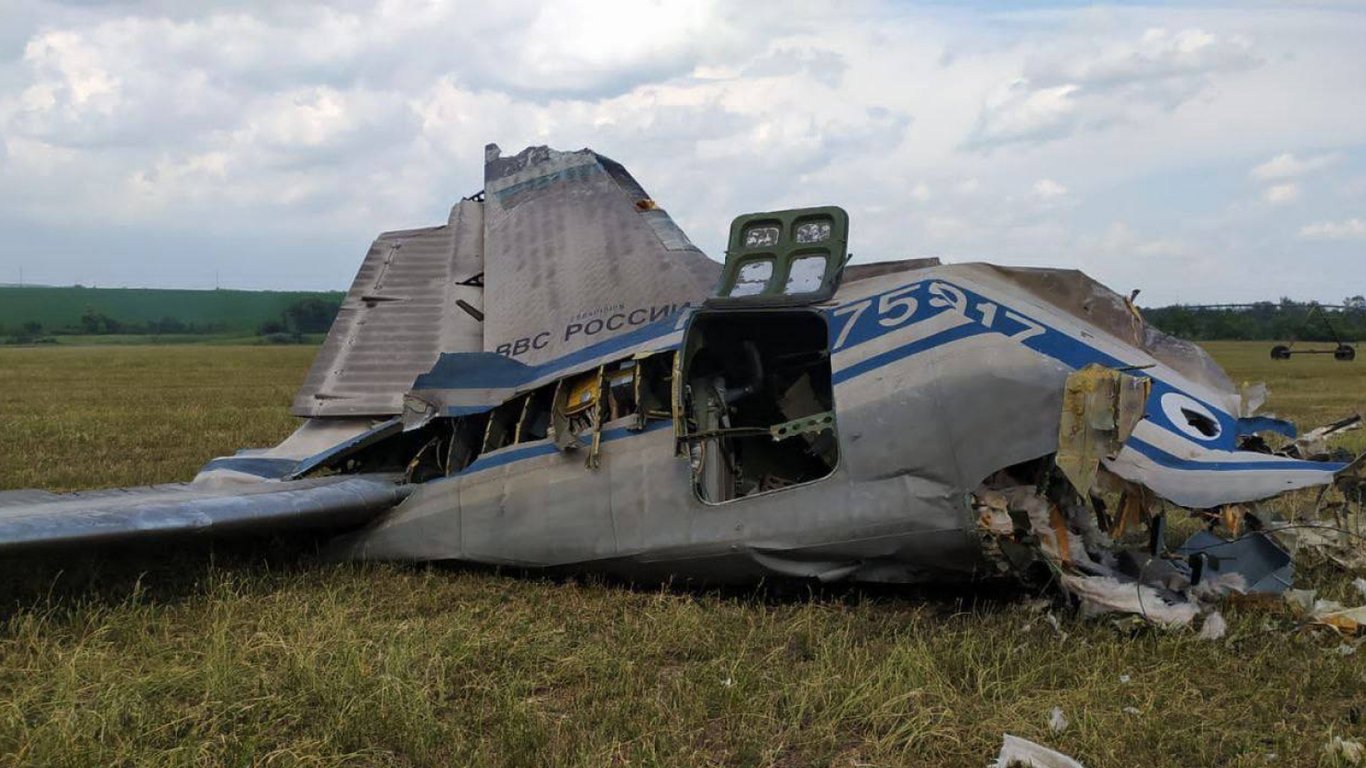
{"points": [[32, 519], [419, 293]]}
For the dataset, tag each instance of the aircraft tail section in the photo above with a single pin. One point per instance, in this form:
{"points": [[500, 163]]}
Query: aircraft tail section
{"points": [[418, 293], [578, 253], [562, 251]]}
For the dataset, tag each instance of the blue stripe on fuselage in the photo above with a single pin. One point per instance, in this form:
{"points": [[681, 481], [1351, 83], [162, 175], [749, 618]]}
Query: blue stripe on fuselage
{"points": [[1059, 346], [461, 370], [914, 303], [1172, 461], [545, 447], [933, 297], [906, 350]]}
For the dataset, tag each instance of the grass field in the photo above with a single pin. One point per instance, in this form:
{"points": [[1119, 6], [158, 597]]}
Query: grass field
{"points": [[262, 655]]}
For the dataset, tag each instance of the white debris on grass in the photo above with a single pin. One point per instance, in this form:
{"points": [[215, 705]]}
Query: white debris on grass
{"points": [[1214, 627], [1347, 751], [1022, 753], [1106, 594], [1328, 613], [1057, 721], [1056, 625]]}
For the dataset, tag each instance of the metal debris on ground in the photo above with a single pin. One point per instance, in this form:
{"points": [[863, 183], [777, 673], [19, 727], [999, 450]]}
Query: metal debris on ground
{"points": [[1084, 529], [1023, 753], [1305, 606], [1346, 751]]}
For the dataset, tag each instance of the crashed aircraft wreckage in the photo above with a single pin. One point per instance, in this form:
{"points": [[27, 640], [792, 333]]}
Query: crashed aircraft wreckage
{"points": [[558, 379]]}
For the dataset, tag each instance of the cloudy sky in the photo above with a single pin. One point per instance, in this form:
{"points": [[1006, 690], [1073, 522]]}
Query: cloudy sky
{"points": [[1210, 152]]}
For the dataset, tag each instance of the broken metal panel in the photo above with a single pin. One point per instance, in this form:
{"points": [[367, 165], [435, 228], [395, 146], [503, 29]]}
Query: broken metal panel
{"points": [[1314, 443], [341, 451], [1100, 408], [1255, 558], [1107, 594], [576, 254], [250, 466], [474, 382], [417, 294], [98, 517], [1201, 478]]}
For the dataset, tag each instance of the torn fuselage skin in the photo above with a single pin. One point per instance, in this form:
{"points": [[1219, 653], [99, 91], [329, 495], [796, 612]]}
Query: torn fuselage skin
{"points": [[1068, 516]]}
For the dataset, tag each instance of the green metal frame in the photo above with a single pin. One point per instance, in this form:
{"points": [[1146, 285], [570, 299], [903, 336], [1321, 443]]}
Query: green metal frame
{"points": [[783, 254]]}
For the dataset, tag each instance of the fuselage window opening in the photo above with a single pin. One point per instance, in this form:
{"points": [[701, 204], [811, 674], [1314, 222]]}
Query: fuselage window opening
{"points": [[502, 425], [467, 440], [535, 420], [758, 402], [620, 380], [654, 381]]}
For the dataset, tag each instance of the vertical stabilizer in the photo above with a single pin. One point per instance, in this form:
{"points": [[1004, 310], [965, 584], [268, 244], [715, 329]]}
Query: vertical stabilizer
{"points": [[576, 252]]}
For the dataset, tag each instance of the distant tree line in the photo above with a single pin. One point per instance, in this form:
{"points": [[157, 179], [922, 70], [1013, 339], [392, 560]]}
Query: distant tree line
{"points": [[1284, 320], [301, 317], [1264, 321]]}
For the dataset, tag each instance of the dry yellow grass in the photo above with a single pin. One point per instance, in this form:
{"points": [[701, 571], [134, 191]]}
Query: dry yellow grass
{"points": [[258, 654], [92, 417]]}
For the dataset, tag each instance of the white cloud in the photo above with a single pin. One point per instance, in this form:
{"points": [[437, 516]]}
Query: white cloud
{"points": [[1157, 54], [76, 75], [1048, 189], [1347, 229], [578, 46], [297, 123], [1287, 166], [1095, 85], [1020, 112], [1281, 193]]}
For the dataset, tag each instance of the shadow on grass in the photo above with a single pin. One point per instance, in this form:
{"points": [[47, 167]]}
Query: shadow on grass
{"points": [[161, 573], [169, 573]]}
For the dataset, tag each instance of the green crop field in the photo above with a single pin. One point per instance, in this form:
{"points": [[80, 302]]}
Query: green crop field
{"points": [[223, 310], [261, 654]]}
